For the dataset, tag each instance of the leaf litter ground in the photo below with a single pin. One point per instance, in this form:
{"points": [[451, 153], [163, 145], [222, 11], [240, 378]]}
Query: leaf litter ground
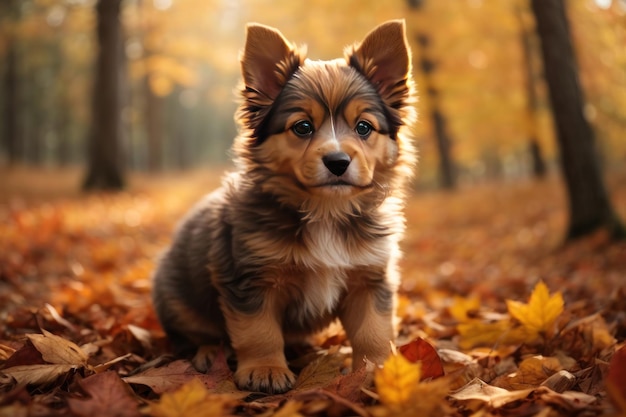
{"points": [[498, 316]]}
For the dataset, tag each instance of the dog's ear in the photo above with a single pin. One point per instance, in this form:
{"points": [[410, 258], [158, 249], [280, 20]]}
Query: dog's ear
{"points": [[384, 58], [268, 60]]}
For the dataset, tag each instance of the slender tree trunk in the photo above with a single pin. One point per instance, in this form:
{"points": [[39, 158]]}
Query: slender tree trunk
{"points": [[12, 135], [104, 149], [590, 208], [532, 102], [154, 127], [447, 169]]}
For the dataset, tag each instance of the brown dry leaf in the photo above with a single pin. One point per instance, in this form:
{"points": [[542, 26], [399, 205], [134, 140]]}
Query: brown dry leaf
{"points": [[109, 396], [57, 350], [531, 373], [478, 393], [166, 378], [321, 371], [192, 399], [37, 374]]}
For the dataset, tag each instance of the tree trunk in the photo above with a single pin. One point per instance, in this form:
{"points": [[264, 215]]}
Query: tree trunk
{"points": [[12, 135], [154, 127], [532, 103], [444, 146], [590, 208], [104, 149]]}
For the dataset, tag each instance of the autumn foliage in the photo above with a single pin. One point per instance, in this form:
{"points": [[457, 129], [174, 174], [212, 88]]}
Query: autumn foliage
{"points": [[498, 318]]}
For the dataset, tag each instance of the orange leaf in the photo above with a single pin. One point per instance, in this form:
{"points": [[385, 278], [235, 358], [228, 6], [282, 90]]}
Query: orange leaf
{"points": [[422, 351]]}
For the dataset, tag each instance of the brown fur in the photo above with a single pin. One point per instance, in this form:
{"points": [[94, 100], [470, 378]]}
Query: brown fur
{"points": [[290, 241]]}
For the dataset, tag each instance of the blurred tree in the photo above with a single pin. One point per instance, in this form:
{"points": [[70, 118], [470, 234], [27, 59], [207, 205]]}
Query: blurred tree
{"points": [[532, 101], [447, 175], [10, 8], [590, 208], [104, 149]]}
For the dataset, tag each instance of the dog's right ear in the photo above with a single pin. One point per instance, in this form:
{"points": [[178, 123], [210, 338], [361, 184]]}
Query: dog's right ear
{"points": [[268, 60]]}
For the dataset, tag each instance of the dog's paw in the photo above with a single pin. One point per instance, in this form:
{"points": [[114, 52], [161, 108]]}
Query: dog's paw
{"points": [[204, 357], [268, 379]]}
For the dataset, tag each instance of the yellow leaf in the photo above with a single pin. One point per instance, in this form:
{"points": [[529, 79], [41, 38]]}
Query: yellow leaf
{"points": [[478, 333], [542, 310], [192, 399], [397, 380], [402, 394], [461, 306]]}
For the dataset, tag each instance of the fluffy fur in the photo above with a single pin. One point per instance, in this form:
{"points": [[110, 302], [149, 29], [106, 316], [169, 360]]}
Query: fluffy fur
{"points": [[307, 228]]}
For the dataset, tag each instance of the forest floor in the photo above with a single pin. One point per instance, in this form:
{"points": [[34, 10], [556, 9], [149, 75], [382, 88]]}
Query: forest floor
{"points": [[521, 324]]}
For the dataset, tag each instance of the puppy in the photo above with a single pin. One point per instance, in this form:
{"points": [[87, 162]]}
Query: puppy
{"points": [[306, 229]]}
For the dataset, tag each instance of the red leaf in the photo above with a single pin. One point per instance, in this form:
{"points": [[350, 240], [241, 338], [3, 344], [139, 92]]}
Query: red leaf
{"points": [[616, 379], [420, 350]]}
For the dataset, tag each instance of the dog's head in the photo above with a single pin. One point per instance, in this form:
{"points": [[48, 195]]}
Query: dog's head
{"points": [[327, 130]]}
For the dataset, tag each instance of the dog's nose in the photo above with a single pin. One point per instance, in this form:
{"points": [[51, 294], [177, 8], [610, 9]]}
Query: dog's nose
{"points": [[337, 162]]}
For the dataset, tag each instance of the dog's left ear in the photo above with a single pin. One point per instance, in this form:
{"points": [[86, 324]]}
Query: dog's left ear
{"points": [[384, 58]]}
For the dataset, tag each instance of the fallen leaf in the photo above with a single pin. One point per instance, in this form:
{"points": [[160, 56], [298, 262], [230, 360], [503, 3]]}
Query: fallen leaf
{"points": [[56, 350], [541, 311], [37, 374], [192, 399], [532, 372], [321, 371], [462, 308], [402, 394], [165, 378], [421, 351], [478, 333], [396, 380], [477, 390], [108, 396]]}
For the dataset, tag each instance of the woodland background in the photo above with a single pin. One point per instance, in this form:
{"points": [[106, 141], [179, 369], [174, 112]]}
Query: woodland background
{"points": [[179, 69], [514, 275]]}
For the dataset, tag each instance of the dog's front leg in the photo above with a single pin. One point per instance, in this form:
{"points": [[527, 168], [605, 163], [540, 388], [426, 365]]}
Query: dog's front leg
{"points": [[367, 315], [259, 346]]}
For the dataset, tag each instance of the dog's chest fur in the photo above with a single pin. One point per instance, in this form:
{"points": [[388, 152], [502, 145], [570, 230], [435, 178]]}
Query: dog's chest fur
{"points": [[308, 264]]}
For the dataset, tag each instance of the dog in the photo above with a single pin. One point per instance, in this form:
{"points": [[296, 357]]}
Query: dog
{"points": [[306, 228]]}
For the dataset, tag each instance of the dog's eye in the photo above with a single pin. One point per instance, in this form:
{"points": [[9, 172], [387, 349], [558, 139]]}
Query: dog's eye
{"points": [[303, 128], [363, 129]]}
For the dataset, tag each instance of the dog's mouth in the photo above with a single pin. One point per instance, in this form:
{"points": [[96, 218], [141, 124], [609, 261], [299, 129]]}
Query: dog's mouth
{"points": [[341, 184]]}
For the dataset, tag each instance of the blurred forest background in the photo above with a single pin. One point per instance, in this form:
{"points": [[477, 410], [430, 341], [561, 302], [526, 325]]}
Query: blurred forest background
{"points": [[484, 107]]}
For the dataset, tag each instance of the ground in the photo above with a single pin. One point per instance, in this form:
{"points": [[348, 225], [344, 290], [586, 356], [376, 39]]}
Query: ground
{"points": [[520, 322]]}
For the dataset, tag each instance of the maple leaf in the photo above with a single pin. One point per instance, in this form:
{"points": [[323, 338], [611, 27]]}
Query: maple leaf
{"points": [[192, 399], [396, 381], [401, 393], [108, 396], [542, 310]]}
